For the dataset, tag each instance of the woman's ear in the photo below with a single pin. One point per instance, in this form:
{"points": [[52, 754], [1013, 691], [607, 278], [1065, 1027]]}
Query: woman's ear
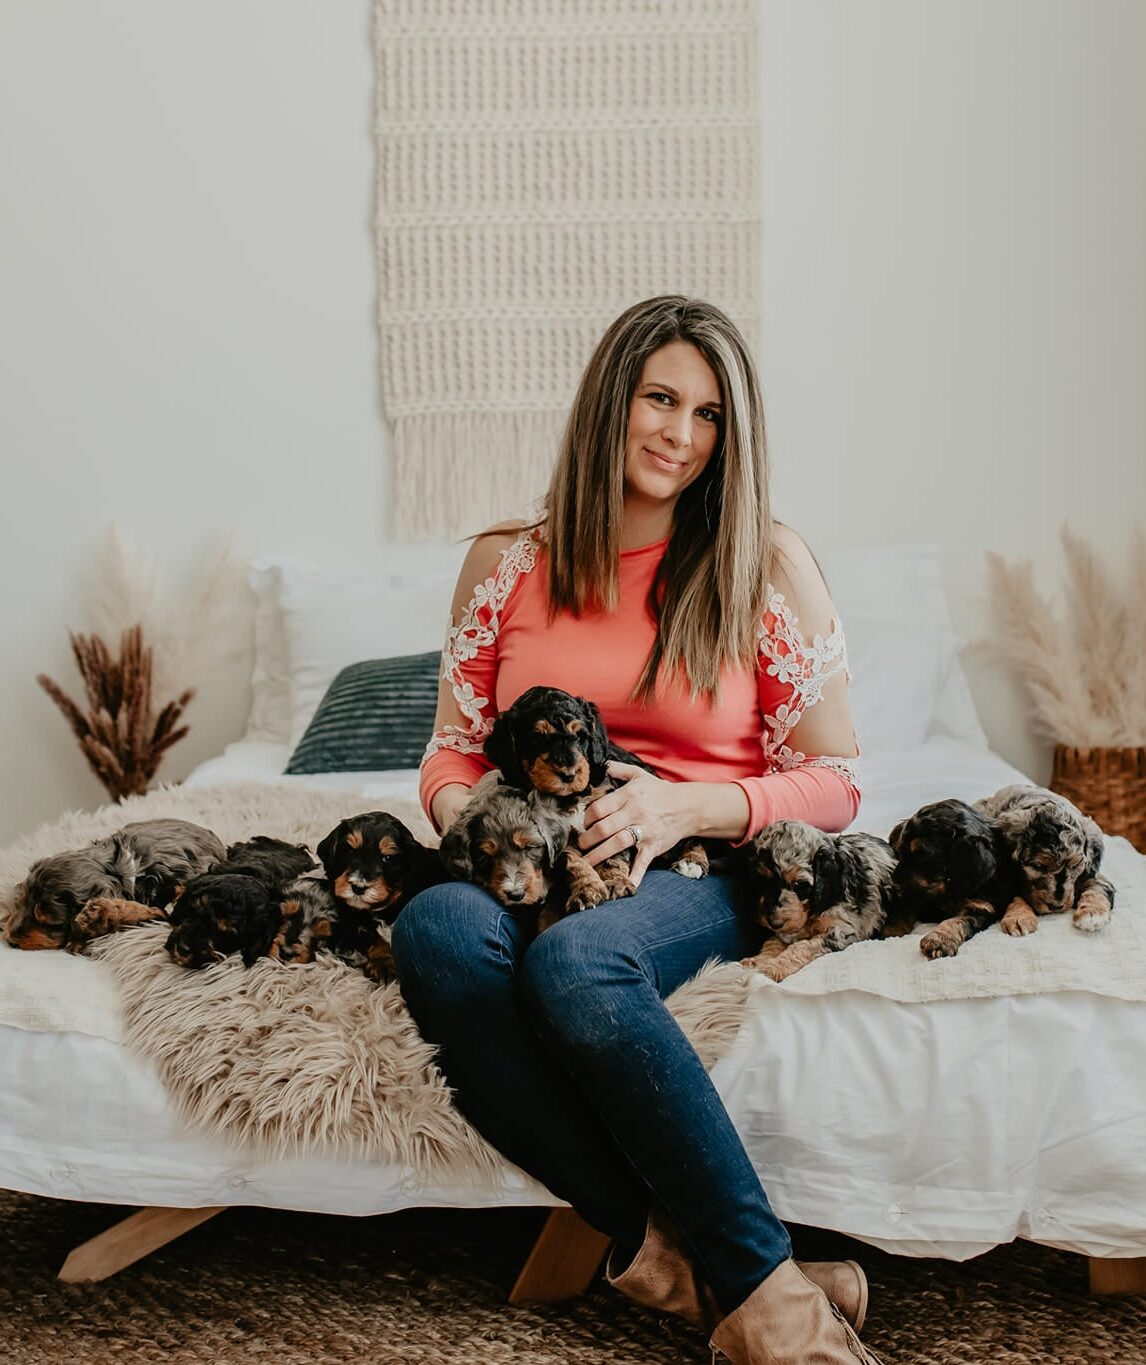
{"points": [[501, 750]]}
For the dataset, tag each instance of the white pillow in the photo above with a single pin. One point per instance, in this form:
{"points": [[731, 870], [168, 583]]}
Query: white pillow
{"points": [[331, 619], [907, 681]]}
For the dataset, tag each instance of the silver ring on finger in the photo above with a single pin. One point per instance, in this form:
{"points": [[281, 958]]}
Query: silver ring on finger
{"points": [[637, 833]]}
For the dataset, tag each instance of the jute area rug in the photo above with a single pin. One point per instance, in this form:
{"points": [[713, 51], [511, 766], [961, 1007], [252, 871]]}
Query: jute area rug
{"points": [[429, 1287]]}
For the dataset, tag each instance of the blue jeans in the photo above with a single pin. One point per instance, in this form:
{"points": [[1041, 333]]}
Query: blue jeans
{"points": [[560, 1051]]}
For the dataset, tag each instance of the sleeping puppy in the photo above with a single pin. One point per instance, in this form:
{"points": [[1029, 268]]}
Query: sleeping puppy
{"points": [[553, 746], [374, 865], [954, 869], [816, 892], [508, 844], [1055, 854], [127, 878], [235, 907]]}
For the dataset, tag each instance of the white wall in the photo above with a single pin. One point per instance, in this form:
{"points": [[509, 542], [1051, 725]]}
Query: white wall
{"points": [[955, 286]]}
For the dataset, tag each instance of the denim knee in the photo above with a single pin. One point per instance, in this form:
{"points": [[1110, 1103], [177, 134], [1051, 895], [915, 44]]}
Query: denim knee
{"points": [[445, 941], [573, 979]]}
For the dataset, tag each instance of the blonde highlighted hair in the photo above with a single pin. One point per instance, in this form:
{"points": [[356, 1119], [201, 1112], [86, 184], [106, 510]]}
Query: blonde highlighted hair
{"points": [[709, 593]]}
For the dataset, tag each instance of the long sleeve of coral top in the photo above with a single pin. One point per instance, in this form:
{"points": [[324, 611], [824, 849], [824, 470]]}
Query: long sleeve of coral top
{"points": [[504, 643]]}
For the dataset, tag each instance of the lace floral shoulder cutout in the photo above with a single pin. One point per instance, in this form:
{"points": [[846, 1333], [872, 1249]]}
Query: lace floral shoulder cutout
{"points": [[806, 667], [477, 629]]}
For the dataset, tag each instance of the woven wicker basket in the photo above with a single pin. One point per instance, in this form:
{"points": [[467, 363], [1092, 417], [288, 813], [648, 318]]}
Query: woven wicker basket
{"points": [[1109, 785]]}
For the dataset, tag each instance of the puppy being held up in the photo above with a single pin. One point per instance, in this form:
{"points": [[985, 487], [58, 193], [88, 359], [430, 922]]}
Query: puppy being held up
{"points": [[553, 747], [953, 869], [507, 844], [374, 865], [128, 878], [818, 893], [234, 908], [1055, 853]]}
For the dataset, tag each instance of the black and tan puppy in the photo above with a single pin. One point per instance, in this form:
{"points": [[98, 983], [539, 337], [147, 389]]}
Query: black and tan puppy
{"points": [[374, 865], [817, 893], [1055, 853], [235, 907], [508, 844], [554, 747], [127, 878], [307, 911], [953, 869]]}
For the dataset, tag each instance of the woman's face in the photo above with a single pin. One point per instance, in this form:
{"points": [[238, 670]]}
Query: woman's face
{"points": [[674, 424]]}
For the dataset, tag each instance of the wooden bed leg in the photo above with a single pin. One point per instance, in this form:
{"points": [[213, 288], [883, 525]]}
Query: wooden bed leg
{"points": [[563, 1261], [130, 1240], [1110, 1276]]}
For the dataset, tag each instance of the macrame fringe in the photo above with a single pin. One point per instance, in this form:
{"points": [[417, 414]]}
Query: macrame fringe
{"points": [[437, 492]]}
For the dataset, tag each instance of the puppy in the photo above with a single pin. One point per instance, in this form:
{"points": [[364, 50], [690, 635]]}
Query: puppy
{"points": [[306, 913], [508, 844], [374, 865], [1055, 854], [816, 892], [235, 907], [128, 878], [554, 747], [953, 869]]}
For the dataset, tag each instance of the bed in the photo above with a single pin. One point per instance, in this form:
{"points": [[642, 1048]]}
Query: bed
{"points": [[995, 1096]]}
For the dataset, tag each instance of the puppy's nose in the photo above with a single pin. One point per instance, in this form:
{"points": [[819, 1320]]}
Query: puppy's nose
{"points": [[514, 895], [358, 884]]}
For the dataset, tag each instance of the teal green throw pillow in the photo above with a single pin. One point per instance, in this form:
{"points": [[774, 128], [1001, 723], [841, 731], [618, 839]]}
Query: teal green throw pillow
{"points": [[376, 715]]}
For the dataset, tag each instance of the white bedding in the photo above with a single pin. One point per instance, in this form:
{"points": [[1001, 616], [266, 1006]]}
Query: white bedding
{"points": [[938, 1128]]}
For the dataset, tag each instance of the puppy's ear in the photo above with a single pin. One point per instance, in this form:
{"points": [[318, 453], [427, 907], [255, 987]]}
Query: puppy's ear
{"points": [[598, 743], [326, 849], [895, 838], [827, 878], [555, 833], [501, 749], [454, 851], [121, 863], [972, 863]]}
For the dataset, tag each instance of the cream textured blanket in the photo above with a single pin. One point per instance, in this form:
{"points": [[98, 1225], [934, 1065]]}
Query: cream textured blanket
{"points": [[542, 166]]}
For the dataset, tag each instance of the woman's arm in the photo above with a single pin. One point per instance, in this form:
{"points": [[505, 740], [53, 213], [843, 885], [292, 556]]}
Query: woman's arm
{"points": [[454, 758]]}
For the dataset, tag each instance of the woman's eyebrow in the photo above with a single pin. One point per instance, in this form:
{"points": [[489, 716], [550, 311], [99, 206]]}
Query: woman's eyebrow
{"points": [[668, 388]]}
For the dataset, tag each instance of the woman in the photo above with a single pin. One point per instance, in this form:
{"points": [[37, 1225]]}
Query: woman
{"points": [[657, 585]]}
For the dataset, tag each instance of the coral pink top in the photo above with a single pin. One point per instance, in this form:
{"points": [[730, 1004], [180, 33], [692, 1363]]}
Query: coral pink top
{"points": [[505, 643]]}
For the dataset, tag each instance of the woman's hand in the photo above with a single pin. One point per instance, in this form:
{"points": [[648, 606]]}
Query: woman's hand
{"points": [[665, 812], [658, 808]]}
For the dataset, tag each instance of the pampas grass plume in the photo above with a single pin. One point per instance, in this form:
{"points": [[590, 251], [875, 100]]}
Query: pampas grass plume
{"points": [[1085, 673]]}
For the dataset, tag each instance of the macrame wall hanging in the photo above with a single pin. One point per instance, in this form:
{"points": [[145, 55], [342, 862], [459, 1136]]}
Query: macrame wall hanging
{"points": [[542, 164]]}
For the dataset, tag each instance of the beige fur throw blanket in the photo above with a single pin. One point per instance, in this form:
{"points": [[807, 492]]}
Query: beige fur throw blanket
{"points": [[542, 165], [286, 1060]]}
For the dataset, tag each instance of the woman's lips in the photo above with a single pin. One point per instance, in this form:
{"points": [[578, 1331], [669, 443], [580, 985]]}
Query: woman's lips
{"points": [[663, 461]]}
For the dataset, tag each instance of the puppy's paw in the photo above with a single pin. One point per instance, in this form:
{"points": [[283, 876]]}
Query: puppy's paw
{"points": [[939, 944], [1019, 919], [1092, 912], [687, 868], [585, 896]]}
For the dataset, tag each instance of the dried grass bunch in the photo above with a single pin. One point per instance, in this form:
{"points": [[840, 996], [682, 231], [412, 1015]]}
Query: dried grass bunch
{"points": [[135, 699], [1086, 673], [121, 737]]}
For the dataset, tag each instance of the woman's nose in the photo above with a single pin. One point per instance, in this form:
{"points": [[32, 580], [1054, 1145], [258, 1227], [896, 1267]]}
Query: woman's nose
{"points": [[678, 428]]}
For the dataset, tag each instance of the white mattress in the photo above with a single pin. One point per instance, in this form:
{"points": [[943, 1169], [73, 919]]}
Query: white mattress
{"points": [[942, 1128]]}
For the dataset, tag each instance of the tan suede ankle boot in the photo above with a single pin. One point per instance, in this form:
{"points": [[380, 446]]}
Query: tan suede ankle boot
{"points": [[787, 1320], [661, 1275]]}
